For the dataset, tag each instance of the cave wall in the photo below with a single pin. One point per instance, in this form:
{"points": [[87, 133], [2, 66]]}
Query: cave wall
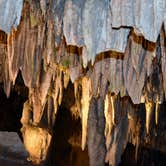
{"points": [[108, 49]]}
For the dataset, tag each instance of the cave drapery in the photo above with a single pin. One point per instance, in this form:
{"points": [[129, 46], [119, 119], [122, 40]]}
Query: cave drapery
{"points": [[114, 52]]}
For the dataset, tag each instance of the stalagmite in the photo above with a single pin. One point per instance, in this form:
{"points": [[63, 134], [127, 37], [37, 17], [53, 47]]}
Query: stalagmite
{"points": [[36, 141]]}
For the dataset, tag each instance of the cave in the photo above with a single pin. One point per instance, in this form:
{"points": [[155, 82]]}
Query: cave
{"points": [[67, 147], [12, 151], [83, 82], [11, 107]]}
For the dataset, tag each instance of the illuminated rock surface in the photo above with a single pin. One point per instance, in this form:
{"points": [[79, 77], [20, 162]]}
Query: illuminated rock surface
{"points": [[113, 52]]}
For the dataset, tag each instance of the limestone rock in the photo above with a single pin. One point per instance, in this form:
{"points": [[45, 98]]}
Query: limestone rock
{"points": [[10, 14], [36, 141]]}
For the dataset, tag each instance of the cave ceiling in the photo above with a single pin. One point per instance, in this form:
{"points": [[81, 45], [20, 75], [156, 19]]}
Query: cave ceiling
{"points": [[111, 49]]}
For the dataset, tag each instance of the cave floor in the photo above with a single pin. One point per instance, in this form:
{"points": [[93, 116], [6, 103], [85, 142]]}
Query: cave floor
{"points": [[12, 151]]}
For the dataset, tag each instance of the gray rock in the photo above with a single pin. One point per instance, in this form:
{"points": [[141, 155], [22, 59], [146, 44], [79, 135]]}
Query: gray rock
{"points": [[10, 14], [12, 151], [145, 16]]}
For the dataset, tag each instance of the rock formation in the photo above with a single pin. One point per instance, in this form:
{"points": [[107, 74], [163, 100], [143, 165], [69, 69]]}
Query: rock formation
{"points": [[113, 52]]}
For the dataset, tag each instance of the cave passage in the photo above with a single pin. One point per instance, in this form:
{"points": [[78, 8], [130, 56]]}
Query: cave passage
{"points": [[12, 150], [87, 80], [66, 140], [11, 108]]}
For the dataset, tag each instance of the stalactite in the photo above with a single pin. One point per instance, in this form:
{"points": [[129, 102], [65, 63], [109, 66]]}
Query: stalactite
{"points": [[85, 102], [119, 135], [46, 78], [78, 95], [109, 117], [55, 91], [66, 79], [4, 76], [149, 112], [51, 115], [163, 57], [134, 128], [137, 66], [27, 115], [60, 82], [53, 42], [157, 113], [113, 110]]}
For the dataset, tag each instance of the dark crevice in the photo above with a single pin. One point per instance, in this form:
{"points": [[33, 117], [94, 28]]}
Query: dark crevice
{"points": [[150, 157], [65, 148], [11, 108]]}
